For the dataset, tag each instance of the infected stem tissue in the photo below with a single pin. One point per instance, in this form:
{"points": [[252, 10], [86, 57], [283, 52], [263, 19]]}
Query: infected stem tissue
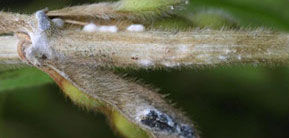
{"points": [[154, 49]]}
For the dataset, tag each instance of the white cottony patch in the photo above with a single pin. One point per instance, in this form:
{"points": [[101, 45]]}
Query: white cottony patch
{"points": [[145, 111], [94, 28], [239, 57], [136, 28], [222, 57], [227, 51], [90, 28], [58, 22], [109, 29], [40, 48], [146, 62], [170, 64], [183, 49], [142, 113], [43, 21]]}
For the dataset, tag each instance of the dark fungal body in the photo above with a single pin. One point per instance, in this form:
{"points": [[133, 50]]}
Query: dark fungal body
{"points": [[162, 122]]}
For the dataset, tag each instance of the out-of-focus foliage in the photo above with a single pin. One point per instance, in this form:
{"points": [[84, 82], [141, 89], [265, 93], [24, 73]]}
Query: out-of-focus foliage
{"points": [[236, 101], [251, 13], [22, 78]]}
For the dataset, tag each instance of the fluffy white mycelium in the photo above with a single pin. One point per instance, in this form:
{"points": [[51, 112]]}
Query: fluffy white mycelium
{"points": [[58, 22], [136, 28], [103, 28]]}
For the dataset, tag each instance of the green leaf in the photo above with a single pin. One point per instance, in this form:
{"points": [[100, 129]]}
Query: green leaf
{"points": [[148, 5], [250, 13], [22, 78]]}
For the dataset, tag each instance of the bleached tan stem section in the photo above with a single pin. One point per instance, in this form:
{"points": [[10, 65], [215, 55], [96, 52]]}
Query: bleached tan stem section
{"points": [[163, 49], [13, 22], [8, 50]]}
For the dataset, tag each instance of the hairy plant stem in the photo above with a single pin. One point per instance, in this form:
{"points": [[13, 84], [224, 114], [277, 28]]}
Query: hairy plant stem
{"points": [[155, 49]]}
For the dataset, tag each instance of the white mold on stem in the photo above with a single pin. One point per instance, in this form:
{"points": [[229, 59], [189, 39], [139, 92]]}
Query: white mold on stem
{"points": [[43, 21], [146, 63], [91, 27], [108, 29], [103, 28], [136, 28], [58, 22], [40, 48]]}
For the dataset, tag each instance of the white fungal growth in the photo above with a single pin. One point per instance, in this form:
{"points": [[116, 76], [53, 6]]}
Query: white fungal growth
{"points": [[142, 113], [146, 62], [109, 29], [170, 64], [136, 28], [227, 51], [183, 49], [58, 22], [222, 57], [90, 28], [94, 28], [239, 57], [40, 46], [43, 21]]}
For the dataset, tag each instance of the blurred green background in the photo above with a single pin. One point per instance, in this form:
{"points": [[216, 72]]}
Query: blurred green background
{"points": [[240, 101]]}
